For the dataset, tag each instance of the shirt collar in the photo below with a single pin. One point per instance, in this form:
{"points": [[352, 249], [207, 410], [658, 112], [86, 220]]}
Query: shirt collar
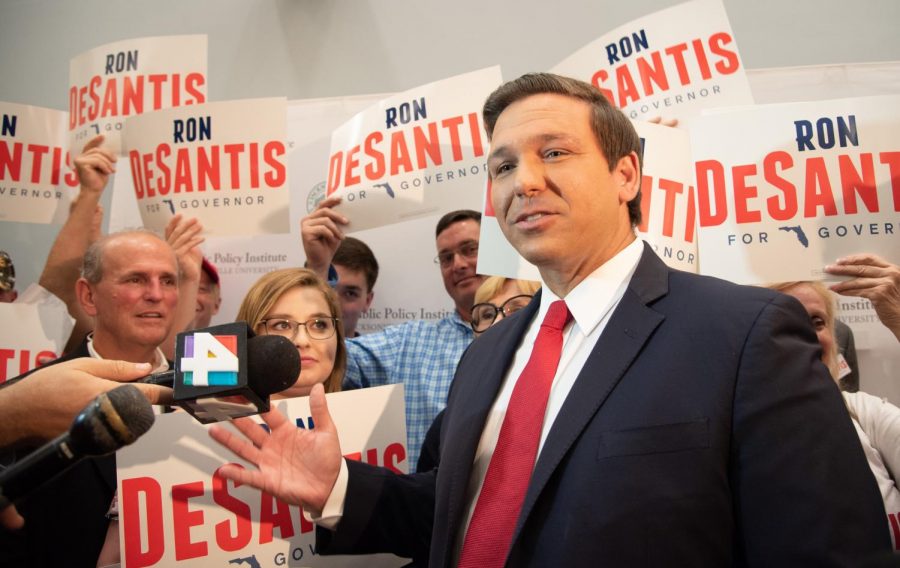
{"points": [[159, 363], [594, 296]]}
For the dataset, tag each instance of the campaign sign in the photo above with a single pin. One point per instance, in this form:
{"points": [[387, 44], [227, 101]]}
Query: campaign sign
{"points": [[36, 179], [114, 81], [413, 154], [175, 508], [783, 190], [223, 163], [33, 333], [672, 63], [668, 212]]}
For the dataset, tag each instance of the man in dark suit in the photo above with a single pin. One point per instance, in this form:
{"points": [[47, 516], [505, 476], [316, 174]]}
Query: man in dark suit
{"points": [[683, 420], [129, 286]]}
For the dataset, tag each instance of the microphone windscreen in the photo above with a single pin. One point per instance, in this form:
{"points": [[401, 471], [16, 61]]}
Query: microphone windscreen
{"points": [[273, 364], [114, 419]]}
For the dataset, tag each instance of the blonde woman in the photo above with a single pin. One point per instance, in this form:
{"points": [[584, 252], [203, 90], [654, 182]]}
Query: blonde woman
{"points": [[297, 304]]}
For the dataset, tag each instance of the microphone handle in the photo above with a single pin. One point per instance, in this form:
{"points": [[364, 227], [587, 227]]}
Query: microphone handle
{"points": [[35, 469], [166, 379]]}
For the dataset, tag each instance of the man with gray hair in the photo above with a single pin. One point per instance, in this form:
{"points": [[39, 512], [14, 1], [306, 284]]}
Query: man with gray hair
{"points": [[129, 288]]}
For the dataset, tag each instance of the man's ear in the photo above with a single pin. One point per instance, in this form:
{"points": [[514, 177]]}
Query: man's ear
{"points": [[369, 297], [85, 295], [627, 175]]}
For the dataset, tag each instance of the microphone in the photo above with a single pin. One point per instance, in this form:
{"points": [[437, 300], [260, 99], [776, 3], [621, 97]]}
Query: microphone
{"points": [[112, 420], [226, 371]]}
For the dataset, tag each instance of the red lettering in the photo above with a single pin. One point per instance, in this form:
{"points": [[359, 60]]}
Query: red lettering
{"points": [[701, 59], [94, 107], [350, 177], [334, 172], [475, 130], [853, 184], [132, 95], [192, 84], [183, 519], [234, 152], [157, 81], [691, 217], [452, 126], [772, 164], [73, 108], [10, 163], [37, 156], [651, 74], [184, 181], [207, 167], [704, 168], [399, 153], [254, 164], [892, 160], [134, 158], [730, 63], [393, 455], [816, 180], [5, 356], [375, 168], [110, 100], [597, 80], [131, 521], [273, 513], [163, 180], [272, 153], [626, 86], [227, 539], [430, 145], [677, 53], [672, 189], [146, 159], [743, 192]]}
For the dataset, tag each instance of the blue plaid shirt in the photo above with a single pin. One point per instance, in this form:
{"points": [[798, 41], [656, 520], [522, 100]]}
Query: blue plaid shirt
{"points": [[420, 354]]}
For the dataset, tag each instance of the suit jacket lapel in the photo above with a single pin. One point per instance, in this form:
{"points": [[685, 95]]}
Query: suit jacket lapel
{"points": [[629, 328]]}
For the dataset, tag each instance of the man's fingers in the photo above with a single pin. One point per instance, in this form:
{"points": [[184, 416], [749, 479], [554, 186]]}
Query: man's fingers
{"points": [[111, 369], [863, 258], [11, 519], [318, 407], [237, 445], [94, 142], [242, 476], [156, 394]]}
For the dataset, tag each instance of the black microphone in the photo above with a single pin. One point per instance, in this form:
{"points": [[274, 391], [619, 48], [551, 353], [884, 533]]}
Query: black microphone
{"points": [[273, 365], [112, 420], [226, 371]]}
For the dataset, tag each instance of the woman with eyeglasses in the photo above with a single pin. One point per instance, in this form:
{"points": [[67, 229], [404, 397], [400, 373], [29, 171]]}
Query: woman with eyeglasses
{"points": [[499, 297], [297, 304]]}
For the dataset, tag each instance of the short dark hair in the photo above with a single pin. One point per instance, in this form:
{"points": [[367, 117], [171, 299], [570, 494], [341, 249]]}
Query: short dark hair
{"points": [[356, 255], [614, 132], [456, 217]]}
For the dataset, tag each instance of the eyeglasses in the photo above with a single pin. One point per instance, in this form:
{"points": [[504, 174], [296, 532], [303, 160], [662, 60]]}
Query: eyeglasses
{"points": [[484, 315], [316, 328], [467, 250]]}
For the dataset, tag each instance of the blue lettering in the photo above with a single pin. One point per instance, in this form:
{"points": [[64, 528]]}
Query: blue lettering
{"points": [[9, 125]]}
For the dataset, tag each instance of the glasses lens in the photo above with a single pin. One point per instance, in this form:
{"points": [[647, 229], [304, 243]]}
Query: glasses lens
{"points": [[320, 328], [285, 328], [469, 250], [515, 304], [483, 316]]}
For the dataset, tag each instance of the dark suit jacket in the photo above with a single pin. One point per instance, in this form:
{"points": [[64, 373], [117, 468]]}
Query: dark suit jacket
{"points": [[65, 520], [702, 431]]}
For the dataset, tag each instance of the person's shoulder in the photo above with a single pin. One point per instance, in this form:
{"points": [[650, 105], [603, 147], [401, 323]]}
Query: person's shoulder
{"points": [[716, 291], [861, 402]]}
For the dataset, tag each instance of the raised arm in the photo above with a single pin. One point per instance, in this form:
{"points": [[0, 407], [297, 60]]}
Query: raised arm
{"points": [[183, 235], [874, 279], [321, 232]]}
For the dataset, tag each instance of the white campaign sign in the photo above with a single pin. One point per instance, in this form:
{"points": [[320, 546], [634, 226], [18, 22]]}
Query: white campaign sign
{"points": [[672, 63], [667, 204], [806, 184], [223, 163], [33, 331], [415, 154], [36, 181], [114, 81], [174, 508]]}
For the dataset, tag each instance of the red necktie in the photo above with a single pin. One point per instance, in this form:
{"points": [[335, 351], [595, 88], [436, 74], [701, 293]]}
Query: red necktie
{"points": [[506, 482]]}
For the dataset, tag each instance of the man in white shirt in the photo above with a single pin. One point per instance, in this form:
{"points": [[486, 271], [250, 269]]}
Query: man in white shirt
{"points": [[686, 423]]}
